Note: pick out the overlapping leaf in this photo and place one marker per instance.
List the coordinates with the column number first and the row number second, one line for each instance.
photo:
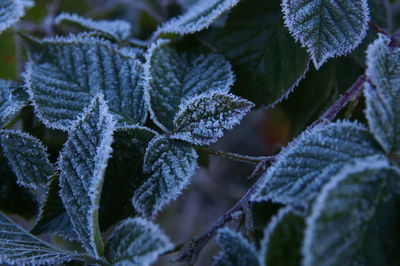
column 355, row 220
column 309, row 161
column 383, row 93
column 328, row 28
column 267, row 62
column 12, row 100
column 82, row 165
column 283, row 238
column 202, row 119
column 236, row 250
column 170, row 164
column 136, row 242
column 118, row 29
column 173, row 77
column 19, row 247
column 11, row 11
column 27, row 157
column 65, row 73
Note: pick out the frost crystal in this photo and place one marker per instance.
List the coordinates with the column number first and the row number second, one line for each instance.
column 136, row 242
column 82, row 165
column 28, row 158
column 118, row 29
column 328, row 28
column 170, row 164
column 383, row 97
column 310, row 161
column 202, row 119
column 172, row 77
column 19, row 247
column 65, row 73
column 356, row 208
column 12, row 100
column 11, row 11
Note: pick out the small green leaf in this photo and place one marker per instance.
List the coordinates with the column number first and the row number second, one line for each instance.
column 12, row 100
column 28, row 158
column 355, row 219
column 172, row 77
column 202, row 119
column 82, row 164
column 171, row 165
column 19, row 247
column 236, row 250
column 136, row 242
column 11, row 11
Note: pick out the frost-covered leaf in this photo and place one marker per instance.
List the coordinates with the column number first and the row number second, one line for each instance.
column 118, row 29
column 202, row 119
column 173, row 76
column 283, row 238
column 310, row 160
column 328, row 28
column 11, row 11
column 28, row 158
column 136, row 242
column 171, row 165
column 267, row 62
column 65, row 73
column 236, row 250
column 383, row 96
column 20, row 248
column 82, row 165
column 198, row 17
column 124, row 174
column 53, row 217
column 12, row 100
column 355, row 219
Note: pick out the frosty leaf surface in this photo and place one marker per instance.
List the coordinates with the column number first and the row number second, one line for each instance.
column 198, row 17
column 202, row 119
column 27, row 157
column 65, row 73
column 170, row 165
column 383, row 93
column 283, row 238
column 358, row 209
column 328, row 28
column 118, row 29
column 20, row 248
column 11, row 11
column 12, row 100
column 173, row 76
column 82, row 165
column 136, row 242
column 236, row 249
column 312, row 159
column 267, row 62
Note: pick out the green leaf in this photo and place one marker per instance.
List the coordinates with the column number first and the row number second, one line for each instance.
column 82, row 164
column 136, row 242
column 172, row 77
column 383, row 93
column 11, row 11
column 202, row 119
column 171, row 165
column 267, row 61
column 12, row 100
column 355, row 219
column 53, row 217
column 19, row 247
column 311, row 159
column 198, row 17
column 28, row 158
column 117, row 29
column 328, row 28
column 236, row 250
column 65, row 73
column 283, row 238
